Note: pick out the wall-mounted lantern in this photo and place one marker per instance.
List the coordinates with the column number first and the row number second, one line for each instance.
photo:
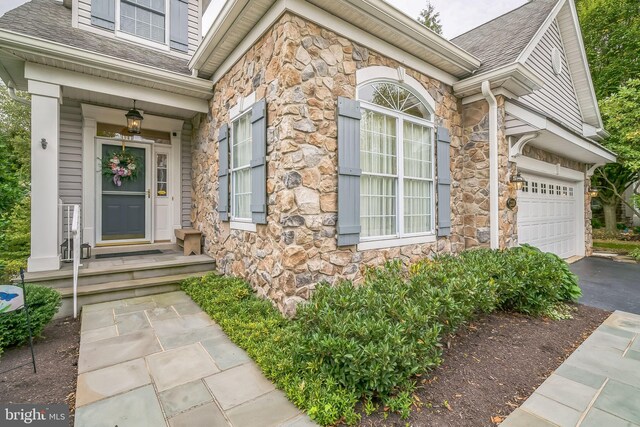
column 518, row 181
column 593, row 192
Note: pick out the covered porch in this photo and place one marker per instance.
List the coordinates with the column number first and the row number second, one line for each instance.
column 79, row 127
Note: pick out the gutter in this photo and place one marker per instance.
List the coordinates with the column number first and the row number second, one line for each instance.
column 12, row 95
column 493, row 163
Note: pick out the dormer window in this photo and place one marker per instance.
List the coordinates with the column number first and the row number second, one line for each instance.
column 143, row 18
column 159, row 23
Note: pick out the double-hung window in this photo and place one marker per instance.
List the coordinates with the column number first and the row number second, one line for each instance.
column 396, row 158
column 241, row 168
column 144, row 18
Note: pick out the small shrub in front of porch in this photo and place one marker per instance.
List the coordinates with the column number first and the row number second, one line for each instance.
column 353, row 342
column 43, row 305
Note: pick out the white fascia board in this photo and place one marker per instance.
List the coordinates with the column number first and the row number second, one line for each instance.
column 61, row 77
column 526, row 52
column 305, row 9
column 516, row 78
column 221, row 25
column 585, row 62
column 314, row 14
column 82, row 57
column 392, row 16
column 540, row 122
column 480, row 97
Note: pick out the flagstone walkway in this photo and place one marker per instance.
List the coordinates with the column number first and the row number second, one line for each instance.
column 597, row 386
column 161, row 361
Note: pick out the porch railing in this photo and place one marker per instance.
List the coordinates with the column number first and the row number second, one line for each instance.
column 67, row 245
column 75, row 232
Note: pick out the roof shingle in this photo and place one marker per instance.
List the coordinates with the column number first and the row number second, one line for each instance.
column 500, row 41
column 50, row 20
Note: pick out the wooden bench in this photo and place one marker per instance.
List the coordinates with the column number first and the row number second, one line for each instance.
column 189, row 240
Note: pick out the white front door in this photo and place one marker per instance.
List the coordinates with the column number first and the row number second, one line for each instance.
column 548, row 212
column 163, row 193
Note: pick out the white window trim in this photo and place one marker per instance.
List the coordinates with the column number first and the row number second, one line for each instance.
column 141, row 40
column 386, row 74
column 242, row 107
column 242, row 225
column 395, row 242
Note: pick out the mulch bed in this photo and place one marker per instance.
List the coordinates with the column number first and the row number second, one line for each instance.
column 57, row 364
column 491, row 367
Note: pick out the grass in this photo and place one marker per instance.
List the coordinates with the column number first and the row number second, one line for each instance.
column 619, row 246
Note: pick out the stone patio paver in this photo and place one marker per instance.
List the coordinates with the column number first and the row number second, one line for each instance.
column 160, row 361
column 598, row 385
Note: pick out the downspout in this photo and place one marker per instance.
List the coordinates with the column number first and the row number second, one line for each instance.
column 12, row 95
column 493, row 163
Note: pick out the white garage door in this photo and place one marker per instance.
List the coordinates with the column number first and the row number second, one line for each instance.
column 547, row 215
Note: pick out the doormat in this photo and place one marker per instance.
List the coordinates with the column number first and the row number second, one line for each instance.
column 136, row 253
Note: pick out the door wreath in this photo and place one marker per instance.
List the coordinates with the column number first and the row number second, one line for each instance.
column 121, row 166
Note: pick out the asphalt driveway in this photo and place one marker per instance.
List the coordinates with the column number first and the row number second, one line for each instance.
column 609, row 284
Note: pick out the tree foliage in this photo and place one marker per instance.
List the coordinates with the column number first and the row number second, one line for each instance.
column 611, row 34
column 15, row 165
column 621, row 113
column 430, row 18
column 15, row 141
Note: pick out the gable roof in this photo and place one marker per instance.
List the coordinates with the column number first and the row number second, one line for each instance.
column 501, row 41
column 51, row 21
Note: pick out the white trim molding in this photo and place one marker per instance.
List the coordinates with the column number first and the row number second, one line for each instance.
column 517, row 78
column 395, row 242
column 538, row 167
column 378, row 72
column 243, row 225
column 226, row 41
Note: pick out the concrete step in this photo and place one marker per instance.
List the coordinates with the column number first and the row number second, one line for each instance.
column 104, row 292
column 112, row 275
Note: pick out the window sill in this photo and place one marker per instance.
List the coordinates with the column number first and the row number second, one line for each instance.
column 395, row 242
column 242, row 225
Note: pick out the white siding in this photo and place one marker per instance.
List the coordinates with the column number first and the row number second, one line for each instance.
column 557, row 98
column 194, row 25
column 84, row 17
column 185, row 176
column 70, row 161
column 84, row 12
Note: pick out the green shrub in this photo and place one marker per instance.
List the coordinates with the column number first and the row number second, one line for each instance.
column 369, row 341
column 621, row 226
column 43, row 305
column 636, row 229
column 635, row 254
column 596, row 223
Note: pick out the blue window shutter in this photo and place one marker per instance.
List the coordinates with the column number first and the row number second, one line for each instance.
column 259, row 162
column 179, row 25
column 444, row 182
column 223, row 173
column 103, row 13
column 349, row 171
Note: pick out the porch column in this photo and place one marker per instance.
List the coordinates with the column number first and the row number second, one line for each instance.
column 45, row 124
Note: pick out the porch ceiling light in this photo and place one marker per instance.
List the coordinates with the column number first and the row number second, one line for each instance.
column 518, row 181
column 134, row 119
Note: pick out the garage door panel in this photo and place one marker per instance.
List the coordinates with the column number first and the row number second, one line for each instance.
column 547, row 215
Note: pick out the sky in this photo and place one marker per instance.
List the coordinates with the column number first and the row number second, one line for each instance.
column 459, row 16
column 456, row 16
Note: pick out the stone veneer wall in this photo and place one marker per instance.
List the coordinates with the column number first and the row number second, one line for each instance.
column 475, row 143
column 301, row 69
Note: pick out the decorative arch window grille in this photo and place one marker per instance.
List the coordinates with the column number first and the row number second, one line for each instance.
column 397, row 162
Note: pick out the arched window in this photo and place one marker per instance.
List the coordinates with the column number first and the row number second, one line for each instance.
column 396, row 158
